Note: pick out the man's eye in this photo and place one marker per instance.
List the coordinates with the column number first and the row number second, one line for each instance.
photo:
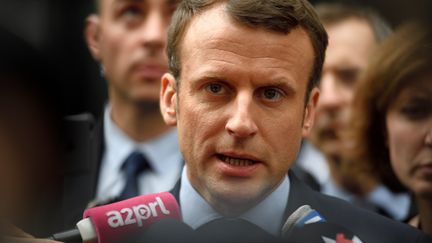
column 214, row 88
column 348, row 77
column 271, row 94
column 131, row 12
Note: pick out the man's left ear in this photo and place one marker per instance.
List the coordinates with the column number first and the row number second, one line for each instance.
column 168, row 99
column 92, row 35
column 309, row 114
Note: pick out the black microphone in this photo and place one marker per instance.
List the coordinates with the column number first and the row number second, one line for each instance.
column 68, row 236
column 233, row 230
column 167, row 230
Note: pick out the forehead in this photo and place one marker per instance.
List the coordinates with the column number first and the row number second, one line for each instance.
column 214, row 37
column 103, row 4
column 350, row 40
column 418, row 85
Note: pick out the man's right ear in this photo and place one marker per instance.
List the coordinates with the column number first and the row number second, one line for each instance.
column 168, row 99
column 92, row 35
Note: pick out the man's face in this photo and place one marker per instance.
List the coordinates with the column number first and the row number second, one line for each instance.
column 240, row 108
column 350, row 44
column 128, row 37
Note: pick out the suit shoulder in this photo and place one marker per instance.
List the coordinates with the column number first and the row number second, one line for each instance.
column 369, row 226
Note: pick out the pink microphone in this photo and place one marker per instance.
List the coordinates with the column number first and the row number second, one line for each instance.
column 109, row 223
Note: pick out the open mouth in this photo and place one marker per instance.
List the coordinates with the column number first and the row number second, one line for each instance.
column 236, row 161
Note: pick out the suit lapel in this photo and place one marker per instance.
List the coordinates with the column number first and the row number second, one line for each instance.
column 99, row 147
column 82, row 165
column 176, row 191
column 299, row 195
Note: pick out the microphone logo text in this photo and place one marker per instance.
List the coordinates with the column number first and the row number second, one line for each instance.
column 136, row 214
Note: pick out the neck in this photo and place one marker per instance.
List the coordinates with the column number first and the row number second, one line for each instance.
column 353, row 181
column 334, row 163
column 141, row 121
column 425, row 212
column 232, row 209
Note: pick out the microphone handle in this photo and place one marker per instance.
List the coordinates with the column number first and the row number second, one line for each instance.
column 68, row 236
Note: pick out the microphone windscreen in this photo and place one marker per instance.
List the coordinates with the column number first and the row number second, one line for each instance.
column 295, row 217
column 115, row 221
column 300, row 217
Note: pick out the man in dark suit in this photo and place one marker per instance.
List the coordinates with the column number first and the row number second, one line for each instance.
column 242, row 91
column 131, row 151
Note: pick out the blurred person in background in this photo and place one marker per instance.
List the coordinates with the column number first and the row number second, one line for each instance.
column 392, row 118
column 30, row 141
column 128, row 38
column 354, row 34
column 132, row 151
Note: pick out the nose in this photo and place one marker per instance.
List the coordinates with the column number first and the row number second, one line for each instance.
column 331, row 94
column 241, row 123
column 154, row 30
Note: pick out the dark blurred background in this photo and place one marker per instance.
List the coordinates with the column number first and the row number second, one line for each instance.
column 55, row 28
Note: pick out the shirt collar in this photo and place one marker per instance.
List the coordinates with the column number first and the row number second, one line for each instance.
column 158, row 151
column 396, row 204
column 268, row 214
column 330, row 188
column 118, row 145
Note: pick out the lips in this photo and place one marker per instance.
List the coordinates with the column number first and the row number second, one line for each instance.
column 425, row 168
column 237, row 165
column 150, row 71
column 236, row 161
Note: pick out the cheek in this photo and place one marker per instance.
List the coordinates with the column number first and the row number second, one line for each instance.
column 195, row 126
column 402, row 143
column 284, row 137
column 115, row 50
column 399, row 164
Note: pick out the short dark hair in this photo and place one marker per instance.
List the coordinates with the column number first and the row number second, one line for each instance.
column 96, row 4
column 280, row 16
column 333, row 13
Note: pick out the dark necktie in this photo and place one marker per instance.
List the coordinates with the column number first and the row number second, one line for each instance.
column 134, row 165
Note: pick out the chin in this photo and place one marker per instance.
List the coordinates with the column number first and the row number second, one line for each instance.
column 147, row 97
column 147, row 103
column 238, row 196
column 424, row 191
column 331, row 148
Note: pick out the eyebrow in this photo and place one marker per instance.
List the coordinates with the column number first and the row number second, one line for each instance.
column 172, row 2
column 121, row 1
column 285, row 85
column 168, row 2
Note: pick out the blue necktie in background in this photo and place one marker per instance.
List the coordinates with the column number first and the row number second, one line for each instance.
column 134, row 165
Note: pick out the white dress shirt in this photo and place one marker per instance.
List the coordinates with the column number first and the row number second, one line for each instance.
column 397, row 205
column 268, row 214
column 162, row 153
column 313, row 161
